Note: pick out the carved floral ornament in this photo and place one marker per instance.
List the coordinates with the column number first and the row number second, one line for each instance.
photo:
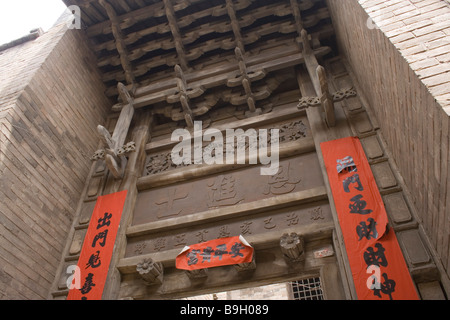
column 340, row 95
column 162, row 162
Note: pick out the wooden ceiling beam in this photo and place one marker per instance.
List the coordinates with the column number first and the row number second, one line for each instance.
column 170, row 14
column 215, row 77
column 120, row 44
column 235, row 26
column 316, row 72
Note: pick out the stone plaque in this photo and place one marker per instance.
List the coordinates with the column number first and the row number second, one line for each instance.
column 281, row 219
column 227, row 189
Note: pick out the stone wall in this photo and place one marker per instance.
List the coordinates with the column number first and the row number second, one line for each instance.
column 52, row 100
column 400, row 59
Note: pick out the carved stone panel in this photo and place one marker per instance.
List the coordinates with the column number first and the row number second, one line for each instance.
column 279, row 220
column 227, row 189
column 161, row 161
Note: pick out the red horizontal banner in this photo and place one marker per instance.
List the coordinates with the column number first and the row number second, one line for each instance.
column 376, row 261
column 98, row 246
column 215, row 253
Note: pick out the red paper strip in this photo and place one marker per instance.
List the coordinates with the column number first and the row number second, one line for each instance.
column 215, row 253
column 376, row 260
column 98, row 247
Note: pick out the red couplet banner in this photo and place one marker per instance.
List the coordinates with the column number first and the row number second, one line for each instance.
column 98, row 246
column 376, row 261
column 215, row 253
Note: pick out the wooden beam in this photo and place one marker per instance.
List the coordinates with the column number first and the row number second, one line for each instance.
column 170, row 14
column 216, row 77
column 120, row 44
column 235, row 25
column 319, row 80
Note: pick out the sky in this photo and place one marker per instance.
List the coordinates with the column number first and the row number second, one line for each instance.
column 19, row 17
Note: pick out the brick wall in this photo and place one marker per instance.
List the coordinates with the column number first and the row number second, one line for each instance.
column 52, row 101
column 402, row 65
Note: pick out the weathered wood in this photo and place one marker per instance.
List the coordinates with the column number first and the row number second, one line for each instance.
column 326, row 98
column 116, row 162
column 152, row 94
column 170, row 14
column 121, row 47
column 235, row 25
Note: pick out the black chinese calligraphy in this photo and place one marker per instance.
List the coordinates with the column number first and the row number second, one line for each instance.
column 359, row 206
column 367, row 230
column 236, row 250
column 100, row 236
column 105, row 221
column 88, row 284
column 94, row 260
column 346, row 165
column 377, row 258
column 351, row 180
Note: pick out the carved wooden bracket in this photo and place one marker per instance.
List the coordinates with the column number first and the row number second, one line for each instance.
column 340, row 95
column 292, row 246
column 114, row 146
column 245, row 79
column 184, row 95
column 151, row 272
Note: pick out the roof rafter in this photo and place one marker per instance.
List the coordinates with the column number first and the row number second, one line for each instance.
column 120, row 44
column 235, row 25
column 170, row 13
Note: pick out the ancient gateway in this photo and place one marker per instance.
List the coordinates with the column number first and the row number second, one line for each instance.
column 185, row 74
column 236, row 144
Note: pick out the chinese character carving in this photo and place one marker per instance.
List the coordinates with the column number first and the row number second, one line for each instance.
column 166, row 205
column 292, row 219
column 180, row 240
column 139, row 247
column 223, row 232
column 201, row 235
column 316, row 213
column 245, row 228
column 159, row 244
column 282, row 182
column 223, row 192
column 268, row 224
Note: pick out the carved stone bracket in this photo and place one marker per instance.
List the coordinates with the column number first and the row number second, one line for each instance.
column 340, row 95
column 151, row 272
column 292, row 246
column 197, row 274
column 246, row 266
